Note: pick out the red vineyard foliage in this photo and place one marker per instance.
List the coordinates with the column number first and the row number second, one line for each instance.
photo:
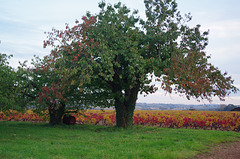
column 208, row 120
column 27, row 116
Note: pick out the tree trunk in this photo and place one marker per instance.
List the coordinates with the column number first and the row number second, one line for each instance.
column 125, row 107
column 56, row 114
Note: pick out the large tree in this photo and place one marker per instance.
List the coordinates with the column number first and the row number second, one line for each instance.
column 115, row 55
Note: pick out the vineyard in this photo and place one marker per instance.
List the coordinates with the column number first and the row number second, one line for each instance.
column 208, row 120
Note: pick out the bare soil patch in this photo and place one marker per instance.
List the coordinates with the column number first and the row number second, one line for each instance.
column 222, row 151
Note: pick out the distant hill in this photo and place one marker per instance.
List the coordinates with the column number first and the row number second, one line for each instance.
column 162, row 106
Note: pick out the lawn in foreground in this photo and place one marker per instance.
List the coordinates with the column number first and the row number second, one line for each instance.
column 39, row 140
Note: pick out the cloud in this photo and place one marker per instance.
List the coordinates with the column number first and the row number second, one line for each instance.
column 223, row 29
column 225, row 56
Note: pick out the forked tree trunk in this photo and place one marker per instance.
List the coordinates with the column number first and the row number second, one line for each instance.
column 125, row 108
column 56, row 114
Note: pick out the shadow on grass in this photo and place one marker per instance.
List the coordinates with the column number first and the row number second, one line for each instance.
column 93, row 128
column 84, row 127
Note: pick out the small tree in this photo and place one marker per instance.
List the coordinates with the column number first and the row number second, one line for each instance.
column 117, row 55
column 11, row 90
column 7, row 83
column 48, row 88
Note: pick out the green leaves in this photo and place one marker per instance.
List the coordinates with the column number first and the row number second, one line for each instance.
column 102, row 5
column 6, row 83
column 10, row 86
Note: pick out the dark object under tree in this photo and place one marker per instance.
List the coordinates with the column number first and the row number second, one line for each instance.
column 69, row 119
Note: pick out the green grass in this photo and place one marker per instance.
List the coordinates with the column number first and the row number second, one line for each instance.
column 39, row 140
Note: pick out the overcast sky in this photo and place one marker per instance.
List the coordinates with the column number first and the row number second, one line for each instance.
column 23, row 23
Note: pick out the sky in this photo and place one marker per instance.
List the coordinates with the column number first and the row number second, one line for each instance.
column 23, row 23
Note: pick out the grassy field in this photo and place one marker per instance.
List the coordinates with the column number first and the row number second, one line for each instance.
column 39, row 140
